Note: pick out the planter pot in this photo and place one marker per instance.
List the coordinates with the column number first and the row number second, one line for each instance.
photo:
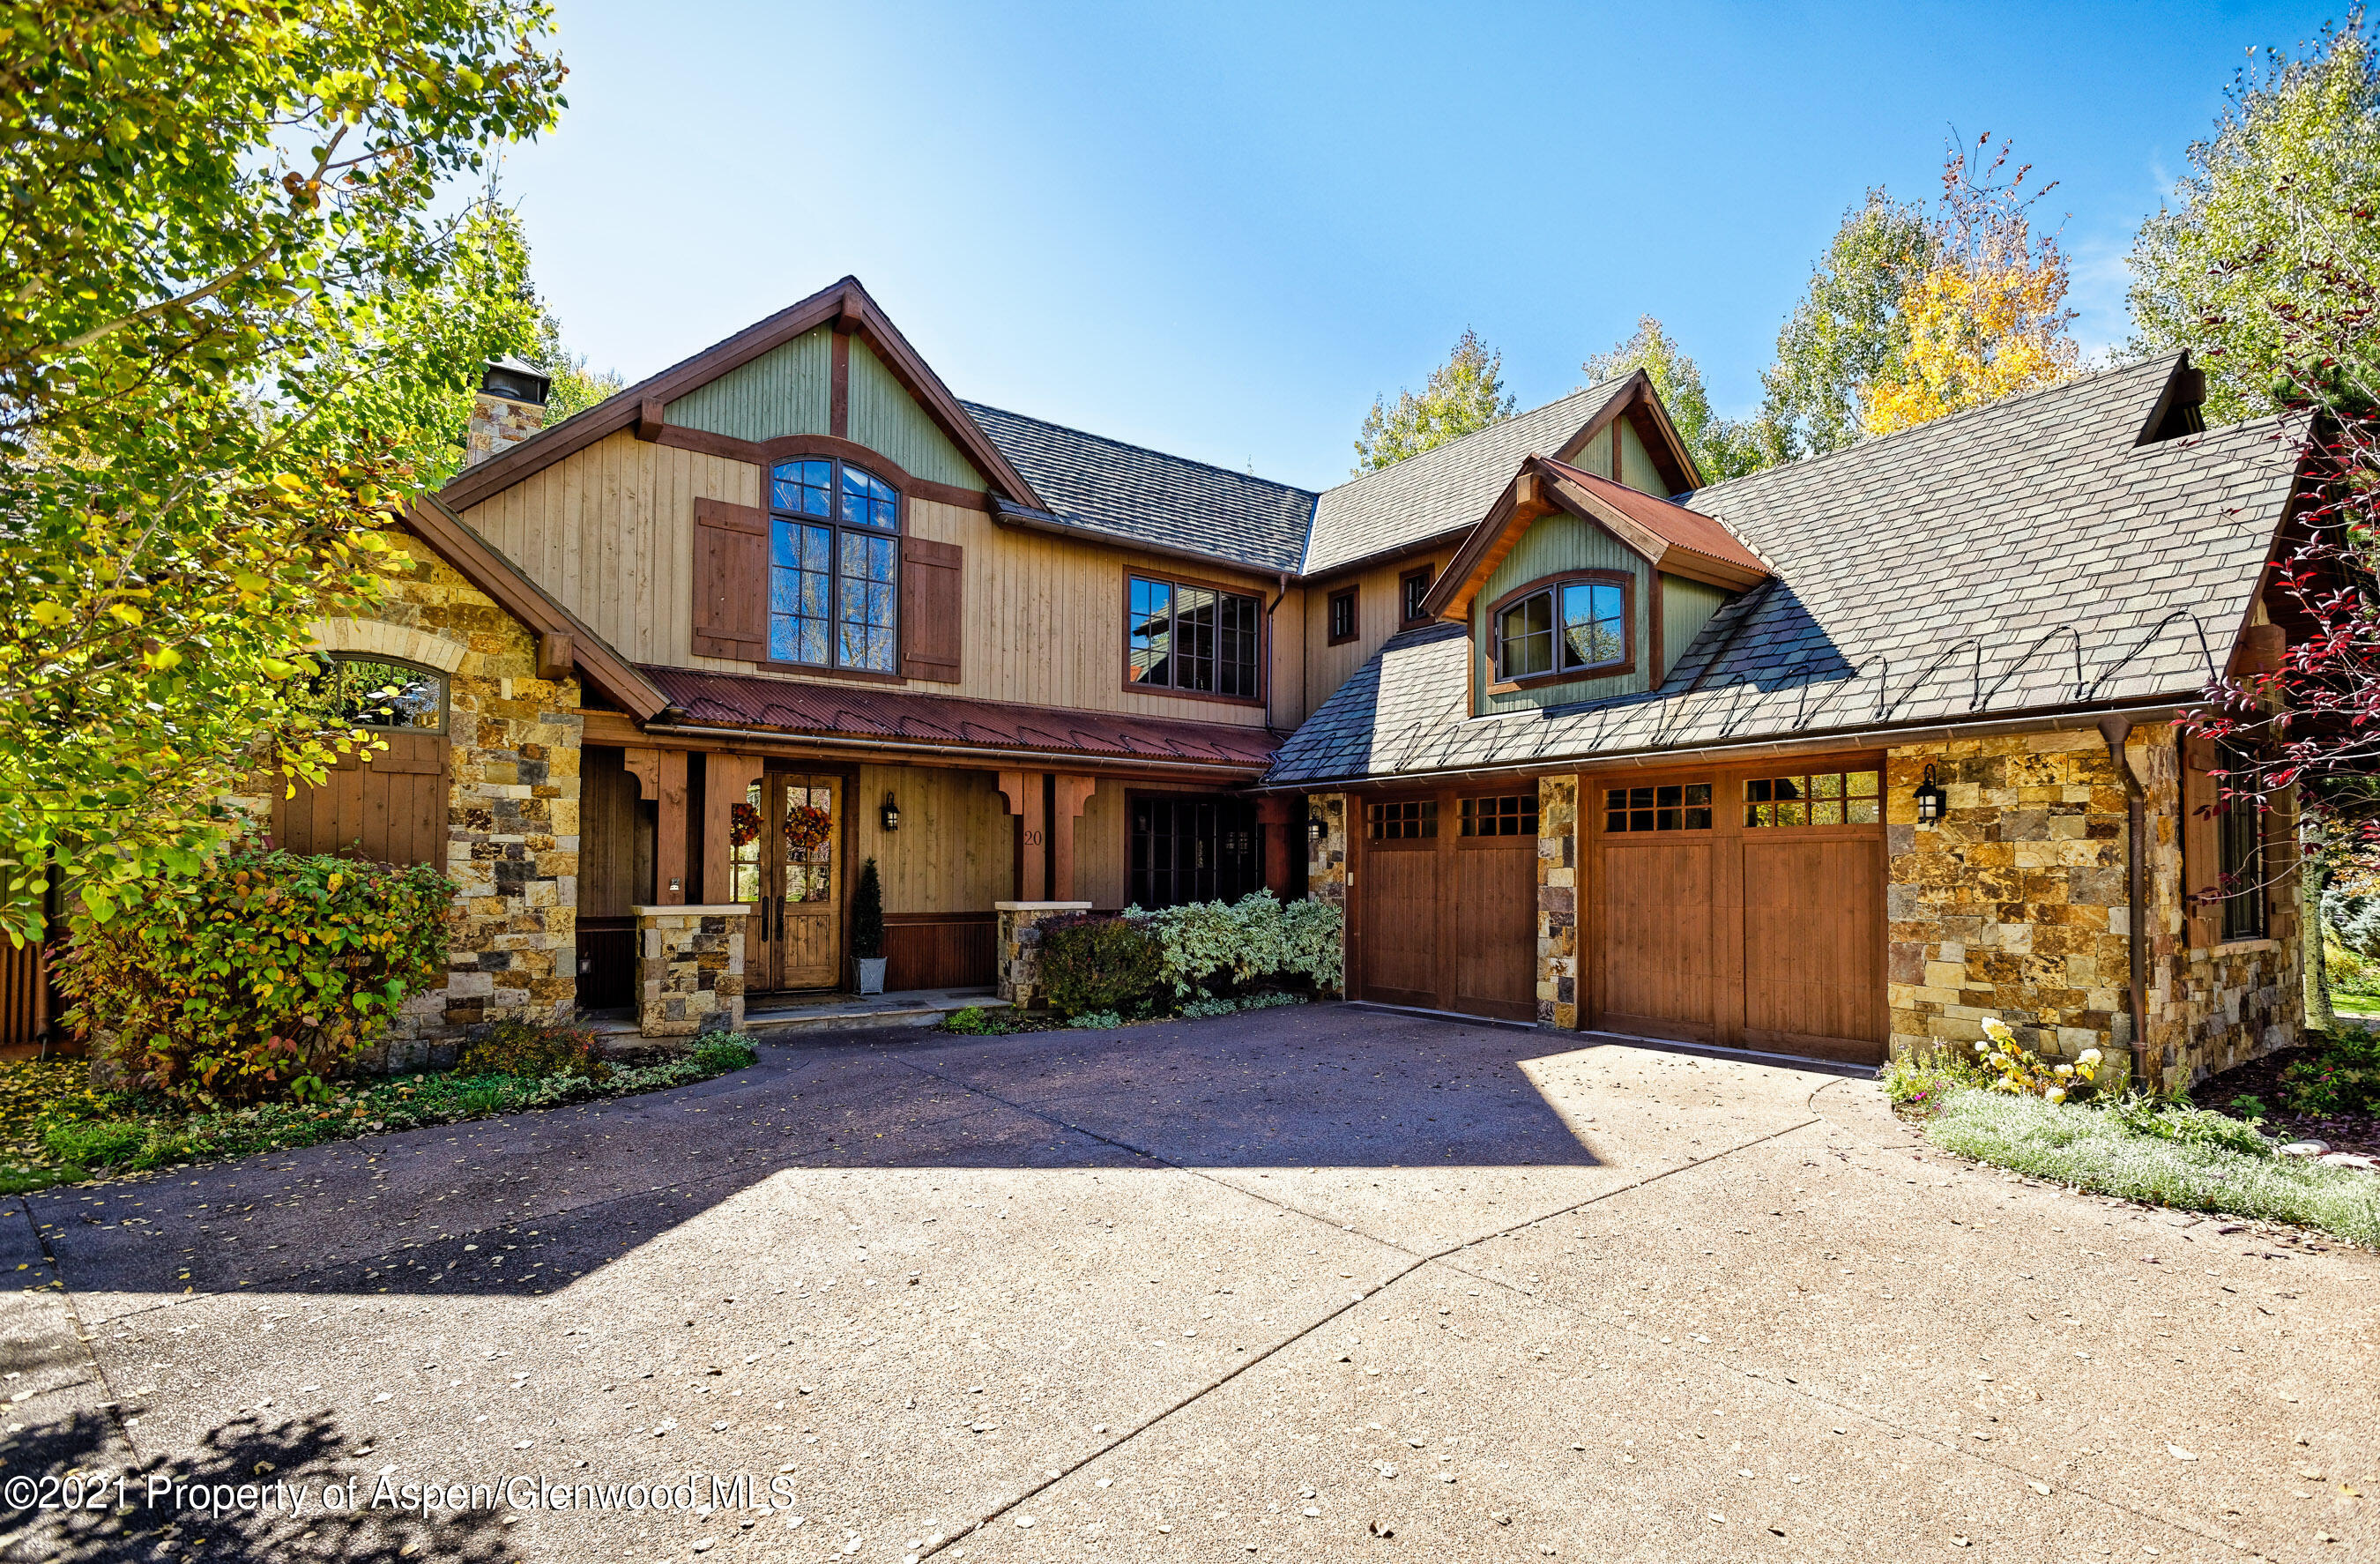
column 868, row 973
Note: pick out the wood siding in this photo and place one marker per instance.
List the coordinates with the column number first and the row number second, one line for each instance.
column 1686, row 607
column 1555, row 543
column 955, row 850
column 939, row 950
column 788, row 390
column 885, row 418
column 1326, row 667
column 609, row 532
column 1636, row 467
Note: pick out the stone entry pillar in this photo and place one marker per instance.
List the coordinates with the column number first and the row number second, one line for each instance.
column 690, row 969
column 1020, row 949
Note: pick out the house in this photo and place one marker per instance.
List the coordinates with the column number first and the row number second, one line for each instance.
column 1576, row 740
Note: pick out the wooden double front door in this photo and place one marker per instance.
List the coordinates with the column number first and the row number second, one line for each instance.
column 1738, row 908
column 1445, row 903
column 785, row 841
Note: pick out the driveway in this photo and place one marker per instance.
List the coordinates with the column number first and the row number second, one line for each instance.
column 1319, row 1283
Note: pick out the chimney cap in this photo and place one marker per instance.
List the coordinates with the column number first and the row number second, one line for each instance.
column 517, row 382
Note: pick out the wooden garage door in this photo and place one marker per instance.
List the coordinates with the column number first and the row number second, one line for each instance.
column 1446, row 904
column 1741, row 908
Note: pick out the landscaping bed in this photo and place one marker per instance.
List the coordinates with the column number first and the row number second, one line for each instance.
column 2263, row 1088
column 57, row 1128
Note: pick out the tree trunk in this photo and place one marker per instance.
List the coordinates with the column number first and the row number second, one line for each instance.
column 2313, row 946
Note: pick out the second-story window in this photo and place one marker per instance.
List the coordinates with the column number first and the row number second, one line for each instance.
column 1567, row 628
column 1199, row 639
column 834, row 551
column 1342, row 615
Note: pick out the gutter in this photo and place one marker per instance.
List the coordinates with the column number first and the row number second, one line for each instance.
column 1749, row 749
column 994, row 758
column 2116, row 730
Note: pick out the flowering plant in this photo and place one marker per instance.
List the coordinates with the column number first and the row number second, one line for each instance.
column 743, row 825
column 2018, row 1069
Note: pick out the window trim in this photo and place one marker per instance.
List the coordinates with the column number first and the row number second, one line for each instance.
column 900, row 532
column 1625, row 580
column 1168, row 692
column 2254, row 902
column 1428, row 571
column 1353, row 596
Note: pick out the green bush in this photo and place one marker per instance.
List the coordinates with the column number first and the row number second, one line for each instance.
column 532, row 1049
column 1206, row 945
column 976, row 1022
column 2342, row 1077
column 2185, row 1125
column 1094, row 1020
column 257, row 976
column 1094, row 962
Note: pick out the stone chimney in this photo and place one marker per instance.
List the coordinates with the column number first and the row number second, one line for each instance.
column 509, row 408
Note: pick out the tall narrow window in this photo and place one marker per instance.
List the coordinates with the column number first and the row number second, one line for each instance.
column 1342, row 615
column 2239, row 835
column 834, row 554
column 1413, row 591
column 1199, row 639
column 1564, row 628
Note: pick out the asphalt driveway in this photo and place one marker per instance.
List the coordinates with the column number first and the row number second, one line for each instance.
column 1315, row 1284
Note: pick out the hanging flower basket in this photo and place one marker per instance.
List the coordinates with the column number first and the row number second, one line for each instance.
column 807, row 828
column 743, row 825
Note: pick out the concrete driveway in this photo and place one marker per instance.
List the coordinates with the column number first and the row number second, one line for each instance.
column 1312, row 1284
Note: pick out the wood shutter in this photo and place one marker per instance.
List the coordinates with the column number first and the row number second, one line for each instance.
column 2202, row 847
column 388, row 807
column 933, row 609
column 731, row 580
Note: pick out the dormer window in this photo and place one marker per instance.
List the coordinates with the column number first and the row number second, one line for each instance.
column 1572, row 628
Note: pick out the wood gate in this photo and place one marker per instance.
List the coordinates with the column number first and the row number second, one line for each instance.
column 1743, row 908
column 1445, row 903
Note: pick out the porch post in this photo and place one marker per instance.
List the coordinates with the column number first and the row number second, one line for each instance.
column 1072, row 794
column 1025, row 792
column 661, row 776
column 1275, row 813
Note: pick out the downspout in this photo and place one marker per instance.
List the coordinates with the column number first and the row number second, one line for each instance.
column 2136, row 934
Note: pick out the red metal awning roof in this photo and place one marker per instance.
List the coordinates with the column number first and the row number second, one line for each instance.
column 859, row 713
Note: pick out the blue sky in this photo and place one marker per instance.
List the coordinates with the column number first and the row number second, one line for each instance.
column 1221, row 230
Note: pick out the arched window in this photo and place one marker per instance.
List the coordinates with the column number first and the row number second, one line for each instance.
column 377, row 692
column 834, row 558
column 1576, row 628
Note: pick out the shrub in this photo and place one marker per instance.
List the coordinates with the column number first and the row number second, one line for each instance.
column 2015, row 1068
column 976, row 1022
column 1093, row 962
column 532, row 1049
column 2246, row 1105
column 867, row 915
column 2184, row 1125
column 1215, row 944
column 257, row 975
column 1094, row 1019
column 2343, row 1077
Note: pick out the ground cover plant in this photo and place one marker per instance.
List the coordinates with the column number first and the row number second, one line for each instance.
column 56, row 1127
column 2133, row 1146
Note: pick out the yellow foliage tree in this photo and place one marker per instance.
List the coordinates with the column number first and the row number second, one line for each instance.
column 1988, row 318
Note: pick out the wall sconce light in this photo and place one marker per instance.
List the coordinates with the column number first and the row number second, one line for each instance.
column 892, row 814
column 1316, row 829
column 1930, row 799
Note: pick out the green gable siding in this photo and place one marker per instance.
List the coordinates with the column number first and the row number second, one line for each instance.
column 1686, row 607
column 790, row 390
column 786, row 390
column 1553, row 544
column 1636, row 468
column 885, row 418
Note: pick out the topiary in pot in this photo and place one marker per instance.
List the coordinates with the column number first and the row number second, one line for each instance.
column 868, row 930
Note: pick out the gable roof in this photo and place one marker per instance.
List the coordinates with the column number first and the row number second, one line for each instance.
column 1664, row 534
column 1131, row 495
column 1447, row 489
column 844, row 304
column 2025, row 558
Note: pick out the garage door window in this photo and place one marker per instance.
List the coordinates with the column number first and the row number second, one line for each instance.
column 1681, row 807
column 1515, row 815
column 1408, row 819
column 1819, row 798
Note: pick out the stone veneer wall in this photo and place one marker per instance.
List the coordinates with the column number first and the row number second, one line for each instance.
column 690, row 969
column 1326, row 861
column 2014, row 907
column 512, row 804
column 1017, row 961
column 1558, row 903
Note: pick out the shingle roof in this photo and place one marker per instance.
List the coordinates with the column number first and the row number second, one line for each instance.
column 1444, row 489
column 1140, row 495
column 2021, row 557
